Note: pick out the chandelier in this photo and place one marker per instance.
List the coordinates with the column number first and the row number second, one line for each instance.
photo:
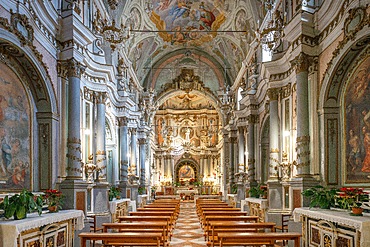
column 115, row 35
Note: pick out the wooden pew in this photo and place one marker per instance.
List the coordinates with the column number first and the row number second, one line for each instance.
column 244, row 219
column 146, row 219
column 123, row 239
column 220, row 213
column 156, row 214
column 155, row 209
column 158, row 226
column 216, row 227
column 257, row 238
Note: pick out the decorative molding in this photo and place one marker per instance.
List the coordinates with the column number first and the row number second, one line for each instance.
column 22, row 20
column 22, row 28
column 350, row 31
column 286, row 91
column 281, row 76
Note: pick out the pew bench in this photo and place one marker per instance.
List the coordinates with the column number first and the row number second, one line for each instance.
column 160, row 226
column 218, row 226
column 123, row 239
column 257, row 238
column 240, row 219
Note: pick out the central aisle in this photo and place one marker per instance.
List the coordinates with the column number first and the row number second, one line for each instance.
column 188, row 232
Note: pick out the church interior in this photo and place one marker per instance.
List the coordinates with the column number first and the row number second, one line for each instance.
column 249, row 108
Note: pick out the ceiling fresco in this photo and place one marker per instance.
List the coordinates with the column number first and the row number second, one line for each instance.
column 187, row 20
column 211, row 37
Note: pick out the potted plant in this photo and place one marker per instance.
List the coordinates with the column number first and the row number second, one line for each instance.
column 352, row 198
column 114, row 193
column 141, row 190
column 20, row 204
column 54, row 200
column 320, row 196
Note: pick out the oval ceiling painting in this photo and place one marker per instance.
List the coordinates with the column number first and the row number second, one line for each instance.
column 187, row 21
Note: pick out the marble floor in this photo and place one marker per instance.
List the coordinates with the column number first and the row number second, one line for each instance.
column 188, row 232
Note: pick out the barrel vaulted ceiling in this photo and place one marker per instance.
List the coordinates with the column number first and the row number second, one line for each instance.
column 210, row 37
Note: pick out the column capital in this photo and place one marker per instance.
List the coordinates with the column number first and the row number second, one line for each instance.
column 123, row 121
column 100, row 97
column 301, row 62
column 142, row 141
column 133, row 131
column 71, row 68
column 252, row 119
column 273, row 93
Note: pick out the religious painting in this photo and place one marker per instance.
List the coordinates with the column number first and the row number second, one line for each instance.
column 15, row 164
column 357, row 120
column 186, row 172
column 187, row 21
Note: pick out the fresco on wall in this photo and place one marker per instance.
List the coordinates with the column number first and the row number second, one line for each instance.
column 186, row 172
column 15, row 165
column 357, row 119
column 187, row 20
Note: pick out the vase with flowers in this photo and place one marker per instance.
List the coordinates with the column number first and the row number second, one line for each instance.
column 54, row 200
column 352, row 198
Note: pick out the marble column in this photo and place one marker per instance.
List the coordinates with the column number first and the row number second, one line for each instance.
column 301, row 64
column 142, row 158
column 226, row 162
column 252, row 120
column 241, row 150
column 74, row 187
column 101, row 186
column 101, row 159
column 273, row 94
column 274, row 187
column 133, row 162
column 233, row 158
column 123, row 148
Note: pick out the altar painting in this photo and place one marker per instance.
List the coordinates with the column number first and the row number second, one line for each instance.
column 357, row 122
column 186, row 172
column 15, row 164
column 187, row 20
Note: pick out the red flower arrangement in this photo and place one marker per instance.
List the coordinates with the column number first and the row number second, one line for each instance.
column 351, row 197
column 54, row 198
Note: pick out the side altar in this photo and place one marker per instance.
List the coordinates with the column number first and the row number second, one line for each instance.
column 324, row 227
column 48, row 229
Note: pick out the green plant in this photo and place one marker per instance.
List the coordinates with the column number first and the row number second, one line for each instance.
column 114, row 192
column 258, row 191
column 234, row 189
column 141, row 190
column 320, row 196
column 20, row 204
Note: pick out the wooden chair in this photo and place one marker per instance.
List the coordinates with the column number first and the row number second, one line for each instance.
column 93, row 226
column 284, row 223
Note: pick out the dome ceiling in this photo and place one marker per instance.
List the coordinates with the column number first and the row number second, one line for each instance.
column 210, row 37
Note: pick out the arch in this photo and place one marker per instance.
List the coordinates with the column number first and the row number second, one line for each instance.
column 193, row 167
column 332, row 106
column 28, row 66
